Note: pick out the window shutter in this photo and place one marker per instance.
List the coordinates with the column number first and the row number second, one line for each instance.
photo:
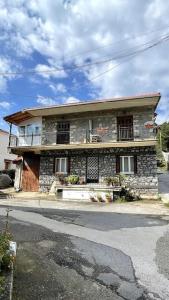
column 117, row 164
column 135, row 164
column 54, row 165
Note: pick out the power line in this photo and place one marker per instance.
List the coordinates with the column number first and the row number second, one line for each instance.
column 71, row 67
column 129, row 57
column 125, row 57
column 116, row 42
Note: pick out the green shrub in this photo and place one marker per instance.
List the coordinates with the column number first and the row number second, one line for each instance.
column 5, row 258
column 73, row 179
column 127, row 195
column 121, row 200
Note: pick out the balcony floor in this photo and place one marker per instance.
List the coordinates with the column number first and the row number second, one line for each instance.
column 39, row 148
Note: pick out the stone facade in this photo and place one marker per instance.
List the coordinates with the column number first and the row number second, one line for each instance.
column 79, row 125
column 107, row 166
column 46, row 174
column 145, row 181
column 78, row 165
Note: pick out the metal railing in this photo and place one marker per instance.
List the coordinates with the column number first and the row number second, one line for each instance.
column 125, row 133
column 81, row 136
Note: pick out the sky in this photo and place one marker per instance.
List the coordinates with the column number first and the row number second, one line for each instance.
column 64, row 51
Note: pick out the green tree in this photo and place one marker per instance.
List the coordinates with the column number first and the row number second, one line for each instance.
column 163, row 136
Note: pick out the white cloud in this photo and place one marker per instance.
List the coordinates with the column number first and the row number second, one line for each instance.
column 5, row 104
column 50, row 71
column 46, row 101
column 58, row 88
column 6, row 65
column 61, row 30
column 163, row 114
column 71, row 99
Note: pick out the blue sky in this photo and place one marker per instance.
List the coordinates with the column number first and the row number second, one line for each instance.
column 51, row 38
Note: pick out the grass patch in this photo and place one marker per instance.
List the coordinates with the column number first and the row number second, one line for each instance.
column 167, row 205
column 121, row 200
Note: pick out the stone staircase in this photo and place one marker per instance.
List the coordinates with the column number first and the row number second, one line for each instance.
column 6, row 196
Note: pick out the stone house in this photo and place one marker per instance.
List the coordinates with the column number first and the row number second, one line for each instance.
column 93, row 139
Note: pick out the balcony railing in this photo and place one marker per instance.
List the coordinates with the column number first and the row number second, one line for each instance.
column 125, row 133
column 81, row 136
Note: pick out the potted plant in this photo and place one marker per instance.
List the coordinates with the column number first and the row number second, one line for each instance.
column 100, row 198
column 61, row 177
column 108, row 180
column 115, row 181
column 73, row 179
column 122, row 178
column 82, row 180
column 92, row 198
column 109, row 197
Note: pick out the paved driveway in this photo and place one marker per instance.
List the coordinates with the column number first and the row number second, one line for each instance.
column 163, row 180
column 164, row 183
column 76, row 255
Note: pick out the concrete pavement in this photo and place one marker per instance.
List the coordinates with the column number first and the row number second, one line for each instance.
column 163, row 187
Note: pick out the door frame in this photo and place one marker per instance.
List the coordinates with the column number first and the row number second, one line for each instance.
column 123, row 118
column 65, row 133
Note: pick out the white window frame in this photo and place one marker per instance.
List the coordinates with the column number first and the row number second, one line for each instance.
column 129, row 164
column 58, row 164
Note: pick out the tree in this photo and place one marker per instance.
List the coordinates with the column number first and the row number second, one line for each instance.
column 163, row 136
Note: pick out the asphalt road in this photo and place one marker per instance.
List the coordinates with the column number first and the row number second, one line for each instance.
column 76, row 255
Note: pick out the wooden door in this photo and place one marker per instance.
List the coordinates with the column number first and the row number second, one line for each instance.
column 30, row 177
column 125, row 128
column 63, row 133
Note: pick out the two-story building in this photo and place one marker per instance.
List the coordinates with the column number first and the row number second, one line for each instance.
column 6, row 159
column 93, row 139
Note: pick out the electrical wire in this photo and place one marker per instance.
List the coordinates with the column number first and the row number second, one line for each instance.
column 70, row 68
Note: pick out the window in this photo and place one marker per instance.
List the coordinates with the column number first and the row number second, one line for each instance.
column 37, row 130
column 22, row 130
column 29, row 129
column 61, row 165
column 7, row 164
column 127, row 164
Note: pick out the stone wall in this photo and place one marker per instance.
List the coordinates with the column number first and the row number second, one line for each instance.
column 144, row 181
column 107, row 166
column 46, row 176
column 78, row 165
column 79, row 125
